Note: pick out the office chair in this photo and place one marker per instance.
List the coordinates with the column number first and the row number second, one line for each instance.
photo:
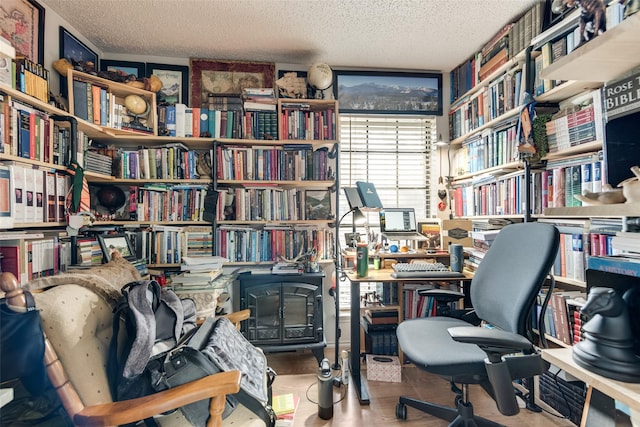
column 503, row 293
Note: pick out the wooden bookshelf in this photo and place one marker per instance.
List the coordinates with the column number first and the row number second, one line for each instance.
column 602, row 59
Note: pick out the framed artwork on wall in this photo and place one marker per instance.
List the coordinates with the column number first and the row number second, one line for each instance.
column 175, row 82
column 318, row 204
column 22, row 23
column 226, row 78
column 389, row 92
column 75, row 51
column 125, row 67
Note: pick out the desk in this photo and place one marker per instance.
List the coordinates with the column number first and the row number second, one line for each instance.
column 357, row 381
column 627, row 393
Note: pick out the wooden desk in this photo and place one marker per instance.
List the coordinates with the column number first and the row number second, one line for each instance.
column 358, row 381
column 627, row 393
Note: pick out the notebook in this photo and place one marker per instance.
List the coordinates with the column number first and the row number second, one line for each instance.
column 399, row 224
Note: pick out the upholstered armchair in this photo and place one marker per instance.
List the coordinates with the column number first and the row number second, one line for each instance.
column 76, row 313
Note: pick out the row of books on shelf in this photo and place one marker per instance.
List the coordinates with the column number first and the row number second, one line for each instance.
column 510, row 40
column 290, row 162
column 165, row 202
column 31, row 255
column 172, row 161
column 96, row 104
column 416, row 305
column 578, row 121
column 566, row 182
column 161, row 244
column 563, row 184
column 33, row 134
column 228, row 120
column 30, row 78
column 37, row 194
column 275, row 204
column 500, row 96
column 591, row 244
column 271, row 243
column 300, row 121
column 491, row 148
column 562, row 318
column 504, row 194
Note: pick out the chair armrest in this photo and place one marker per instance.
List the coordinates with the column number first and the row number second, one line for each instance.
column 494, row 342
column 238, row 316
column 442, row 294
column 215, row 386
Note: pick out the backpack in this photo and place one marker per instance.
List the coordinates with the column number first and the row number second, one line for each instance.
column 155, row 319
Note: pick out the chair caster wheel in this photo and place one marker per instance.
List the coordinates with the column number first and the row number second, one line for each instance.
column 401, row 411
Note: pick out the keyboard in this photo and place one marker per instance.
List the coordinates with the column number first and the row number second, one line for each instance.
column 423, row 270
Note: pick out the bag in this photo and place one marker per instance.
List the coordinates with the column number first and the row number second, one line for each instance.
column 186, row 363
column 155, row 319
column 22, row 347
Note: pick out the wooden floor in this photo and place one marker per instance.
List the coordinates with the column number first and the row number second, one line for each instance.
column 297, row 374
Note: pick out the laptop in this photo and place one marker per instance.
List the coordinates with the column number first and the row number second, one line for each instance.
column 399, row 224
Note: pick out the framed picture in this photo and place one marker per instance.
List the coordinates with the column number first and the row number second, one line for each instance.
column 126, row 67
column 389, row 92
column 318, row 204
column 175, row 82
column 22, row 24
column 111, row 243
column 75, row 51
column 226, row 77
column 432, row 231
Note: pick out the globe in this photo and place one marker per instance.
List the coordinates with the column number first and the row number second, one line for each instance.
column 135, row 104
column 111, row 197
column 320, row 76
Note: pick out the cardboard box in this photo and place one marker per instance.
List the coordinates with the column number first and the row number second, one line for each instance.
column 383, row 368
column 456, row 231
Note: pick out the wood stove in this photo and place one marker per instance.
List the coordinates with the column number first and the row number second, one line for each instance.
column 286, row 311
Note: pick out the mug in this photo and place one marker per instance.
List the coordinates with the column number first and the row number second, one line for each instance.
column 456, row 257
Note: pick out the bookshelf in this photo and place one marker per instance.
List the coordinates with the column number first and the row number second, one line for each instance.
column 110, row 105
column 277, row 198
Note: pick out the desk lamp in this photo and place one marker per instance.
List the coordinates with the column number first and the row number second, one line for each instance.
column 357, row 205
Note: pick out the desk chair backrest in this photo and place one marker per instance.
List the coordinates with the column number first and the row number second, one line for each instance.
column 507, row 281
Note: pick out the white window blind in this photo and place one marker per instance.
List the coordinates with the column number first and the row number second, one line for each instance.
column 394, row 153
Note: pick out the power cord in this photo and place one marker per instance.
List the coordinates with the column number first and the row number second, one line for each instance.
column 343, row 392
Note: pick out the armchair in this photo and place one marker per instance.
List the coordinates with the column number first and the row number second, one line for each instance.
column 76, row 313
column 503, row 293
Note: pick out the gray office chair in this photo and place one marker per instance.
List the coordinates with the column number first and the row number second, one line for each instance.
column 503, row 293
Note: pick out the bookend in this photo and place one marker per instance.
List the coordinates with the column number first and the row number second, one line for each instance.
column 608, row 345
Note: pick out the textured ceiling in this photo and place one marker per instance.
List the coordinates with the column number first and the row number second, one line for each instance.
column 432, row 35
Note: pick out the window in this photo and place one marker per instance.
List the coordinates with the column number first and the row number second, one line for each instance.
column 392, row 152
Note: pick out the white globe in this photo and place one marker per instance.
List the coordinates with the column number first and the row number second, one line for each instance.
column 320, row 76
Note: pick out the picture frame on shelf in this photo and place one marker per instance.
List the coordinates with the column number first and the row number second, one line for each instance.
column 432, row 230
column 137, row 69
column 109, row 243
column 291, row 88
column 389, row 92
column 318, row 204
column 175, row 82
column 25, row 28
column 72, row 49
column 226, row 78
